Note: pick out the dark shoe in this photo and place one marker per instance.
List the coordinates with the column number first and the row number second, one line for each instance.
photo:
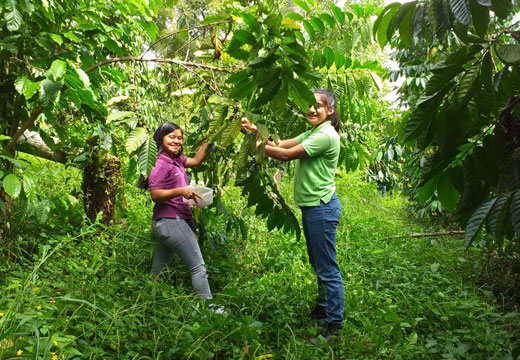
column 331, row 335
column 318, row 312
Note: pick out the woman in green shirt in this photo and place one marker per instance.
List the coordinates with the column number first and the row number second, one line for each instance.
column 316, row 152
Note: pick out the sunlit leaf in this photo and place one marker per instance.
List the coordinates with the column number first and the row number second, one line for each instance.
column 230, row 132
column 12, row 185
column 12, row 15
column 338, row 14
column 460, row 10
column 136, row 138
column 57, row 70
column 147, row 156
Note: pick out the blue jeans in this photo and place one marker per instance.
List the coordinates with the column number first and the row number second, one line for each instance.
column 319, row 226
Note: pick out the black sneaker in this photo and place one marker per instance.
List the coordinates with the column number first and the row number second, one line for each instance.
column 331, row 335
column 318, row 312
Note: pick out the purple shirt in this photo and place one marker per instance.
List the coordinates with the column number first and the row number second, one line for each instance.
column 169, row 173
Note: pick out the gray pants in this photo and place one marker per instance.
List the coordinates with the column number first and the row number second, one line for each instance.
column 174, row 236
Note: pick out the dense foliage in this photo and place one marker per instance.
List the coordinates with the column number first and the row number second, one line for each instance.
column 89, row 294
column 86, row 82
column 465, row 58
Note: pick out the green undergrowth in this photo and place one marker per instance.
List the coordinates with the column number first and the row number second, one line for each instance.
column 79, row 291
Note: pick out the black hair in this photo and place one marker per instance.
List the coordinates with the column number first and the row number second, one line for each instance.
column 330, row 99
column 163, row 130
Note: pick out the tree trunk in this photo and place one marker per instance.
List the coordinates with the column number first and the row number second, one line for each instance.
column 31, row 143
column 101, row 178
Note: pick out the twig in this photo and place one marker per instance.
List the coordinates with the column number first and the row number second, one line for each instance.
column 160, row 60
column 181, row 30
column 436, row 234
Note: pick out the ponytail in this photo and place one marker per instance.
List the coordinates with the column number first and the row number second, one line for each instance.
column 331, row 104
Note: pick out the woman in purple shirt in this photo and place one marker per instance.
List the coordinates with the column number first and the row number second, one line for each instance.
column 172, row 224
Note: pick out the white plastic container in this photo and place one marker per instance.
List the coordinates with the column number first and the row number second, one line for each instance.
column 205, row 192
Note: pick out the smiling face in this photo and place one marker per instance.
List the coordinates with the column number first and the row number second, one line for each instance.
column 172, row 143
column 316, row 116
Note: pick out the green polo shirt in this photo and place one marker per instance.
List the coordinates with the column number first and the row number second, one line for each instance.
column 314, row 176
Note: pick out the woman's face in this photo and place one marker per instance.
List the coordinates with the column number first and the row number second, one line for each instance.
column 172, row 142
column 316, row 116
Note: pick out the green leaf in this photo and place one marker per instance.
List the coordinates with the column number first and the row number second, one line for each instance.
column 272, row 220
column 460, row 10
column 230, row 132
column 384, row 23
column 329, row 56
column 279, row 102
column 56, row 38
column 302, row 5
column 12, row 16
column 148, row 26
column 426, row 191
column 338, row 14
column 49, row 92
column 243, row 89
column 405, row 29
column 515, row 211
column 448, row 194
column 119, row 115
column 508, row 53
column 327, row 19
column 251, row 21
column 12, row 185
column 26, row 87
column 418, row 123
column 318, row 24
column 309, row 29
column 441, row 80
column 466, row 85
column 476, row 220
column 214, row 18
column 502, row 8
column 262, row 62
column 269, row 91
column 147, row 156
column 136, row 138
column 247, row 147
column 42, row 211
column 113, row 47
column 301, row 95
column 57, row 70
column 244, row 36
column 237, row 77
column 295, row 16
column 84, row 77
column 480, row 18
column 497, row 216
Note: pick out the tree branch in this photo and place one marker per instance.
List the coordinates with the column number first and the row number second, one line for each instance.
column 182, row 30
column 436, row 234
column 11, row 145
column 31, row 143
column 160, row 60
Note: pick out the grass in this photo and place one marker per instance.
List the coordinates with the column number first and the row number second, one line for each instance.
column 79, row 291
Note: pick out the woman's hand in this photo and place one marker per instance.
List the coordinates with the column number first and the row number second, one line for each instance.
column 246, row 125
column 189, row 193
